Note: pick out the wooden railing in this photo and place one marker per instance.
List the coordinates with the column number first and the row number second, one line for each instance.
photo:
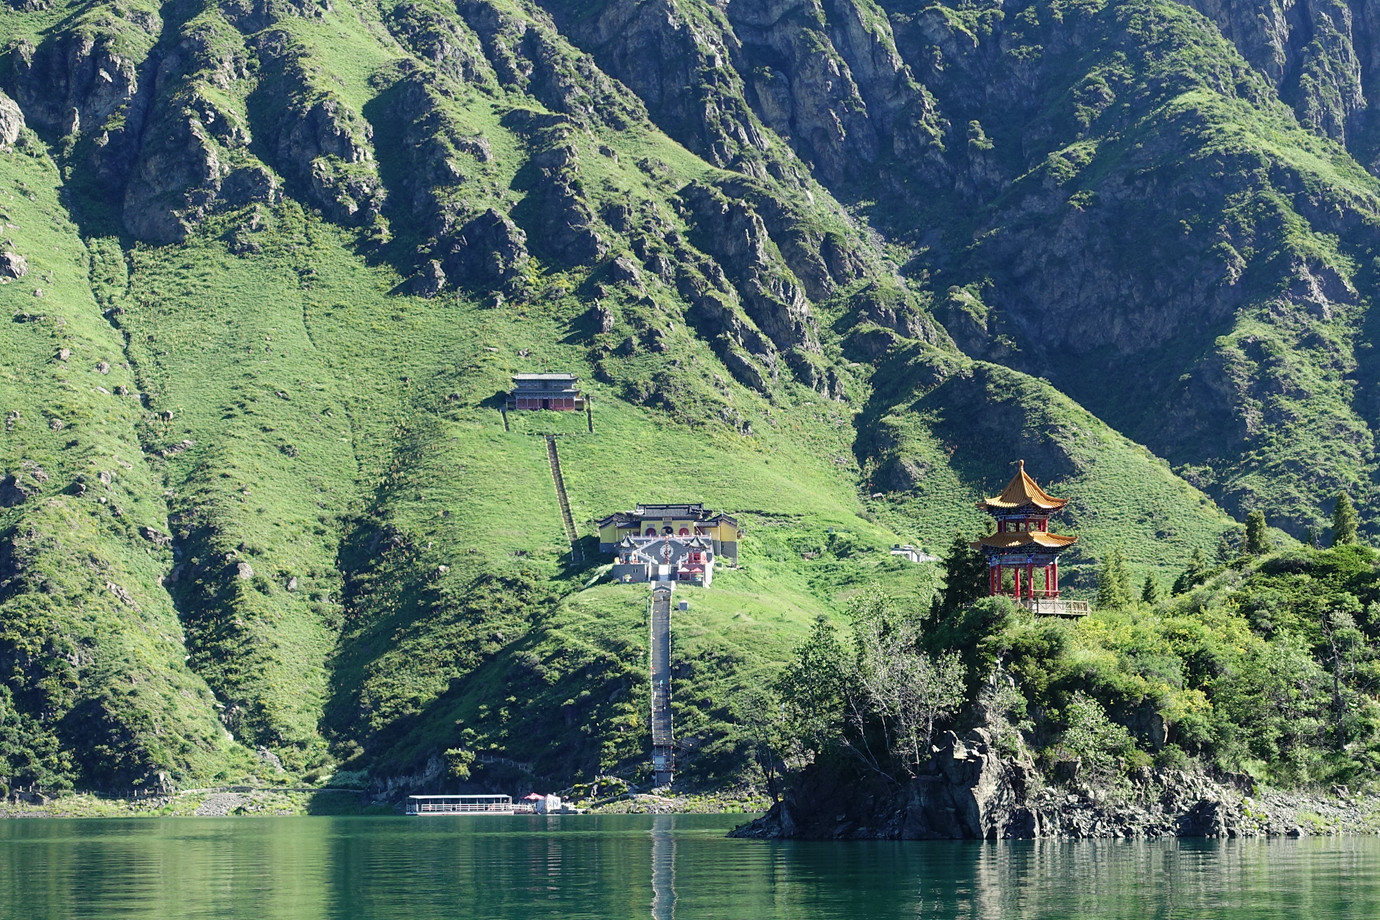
column 1055, row 607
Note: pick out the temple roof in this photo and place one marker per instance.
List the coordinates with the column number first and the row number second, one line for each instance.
column 656, row 514
column 1020, row 492
column 1032, row 539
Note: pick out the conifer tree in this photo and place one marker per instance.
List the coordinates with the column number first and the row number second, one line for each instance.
column 1113, row 581
column 1150, row 591
column 1257, row 534
column 965, row 574
column 1343, row 521
column 1194, row 575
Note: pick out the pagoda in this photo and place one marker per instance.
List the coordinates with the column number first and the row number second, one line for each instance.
column 1022, row 543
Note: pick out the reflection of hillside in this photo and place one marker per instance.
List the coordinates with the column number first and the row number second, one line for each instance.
column 663, row 867
column 1046, row 878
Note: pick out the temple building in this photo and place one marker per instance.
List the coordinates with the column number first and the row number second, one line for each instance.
column 546, row 391
column 664, row 558
column 678, row 521
column 1023, row 546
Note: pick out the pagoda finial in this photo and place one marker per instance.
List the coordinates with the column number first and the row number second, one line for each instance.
column 1022, row 463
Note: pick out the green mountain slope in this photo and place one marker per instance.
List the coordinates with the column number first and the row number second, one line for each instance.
column 263, row 512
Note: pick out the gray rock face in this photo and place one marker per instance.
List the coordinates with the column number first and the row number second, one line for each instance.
column 1321, row 56
column 76, row 81
column 317, row 142
column 736, row 236
column 490, row 249
column 971, row 793
column 13, row 265
column 677, row 64
column 528, row 55
column 177, row 177
column 11, row 121
column 555, row 212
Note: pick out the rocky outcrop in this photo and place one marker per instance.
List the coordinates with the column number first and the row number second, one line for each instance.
column 733, row 233
column 185, row 158
column 1321, row 56
column 556, row 213
column 11, row 121
column 677, row 62
column 177, row 177
column 444, row 42
column 488, row 250
column 314, row 138
column 76, row 80
column 529, row 55
column 970, row 792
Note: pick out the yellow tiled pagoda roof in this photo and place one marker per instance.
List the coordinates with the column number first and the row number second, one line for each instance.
column 1020, row 492
column 1027, row 538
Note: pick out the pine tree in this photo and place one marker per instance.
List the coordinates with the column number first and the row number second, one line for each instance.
column 1150, row 591
column 1257, row 534
column 1343, row 521
column 1113, row 581
column 1194, row 575
column 965, row 574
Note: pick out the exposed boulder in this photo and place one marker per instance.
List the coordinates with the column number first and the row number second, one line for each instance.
column 11, row 121
column 488, row 250
column 12, row 491
column 13, row 265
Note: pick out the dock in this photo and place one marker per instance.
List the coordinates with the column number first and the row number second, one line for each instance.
column 428, row 805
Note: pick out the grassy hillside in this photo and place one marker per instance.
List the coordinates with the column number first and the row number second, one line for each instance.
column 259, row 509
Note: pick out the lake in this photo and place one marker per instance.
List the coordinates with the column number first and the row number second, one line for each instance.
column 614, row 867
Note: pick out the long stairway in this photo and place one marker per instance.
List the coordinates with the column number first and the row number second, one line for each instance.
column 576, row 554
column 663, row 743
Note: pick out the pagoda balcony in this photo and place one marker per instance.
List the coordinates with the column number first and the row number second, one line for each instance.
column 1054, row 607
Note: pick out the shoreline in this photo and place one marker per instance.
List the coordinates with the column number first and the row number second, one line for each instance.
column 234, row 802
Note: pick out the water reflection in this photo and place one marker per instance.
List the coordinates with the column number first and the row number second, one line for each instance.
column 663, row 867
column 602, row 867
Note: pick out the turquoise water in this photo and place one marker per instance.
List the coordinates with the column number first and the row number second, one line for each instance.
column 646, row 867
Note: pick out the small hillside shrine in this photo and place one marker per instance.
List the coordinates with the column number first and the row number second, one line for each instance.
column 1022, row 544
column 546, row 391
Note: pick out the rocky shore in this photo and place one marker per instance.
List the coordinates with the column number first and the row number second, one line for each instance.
column 972, row 792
